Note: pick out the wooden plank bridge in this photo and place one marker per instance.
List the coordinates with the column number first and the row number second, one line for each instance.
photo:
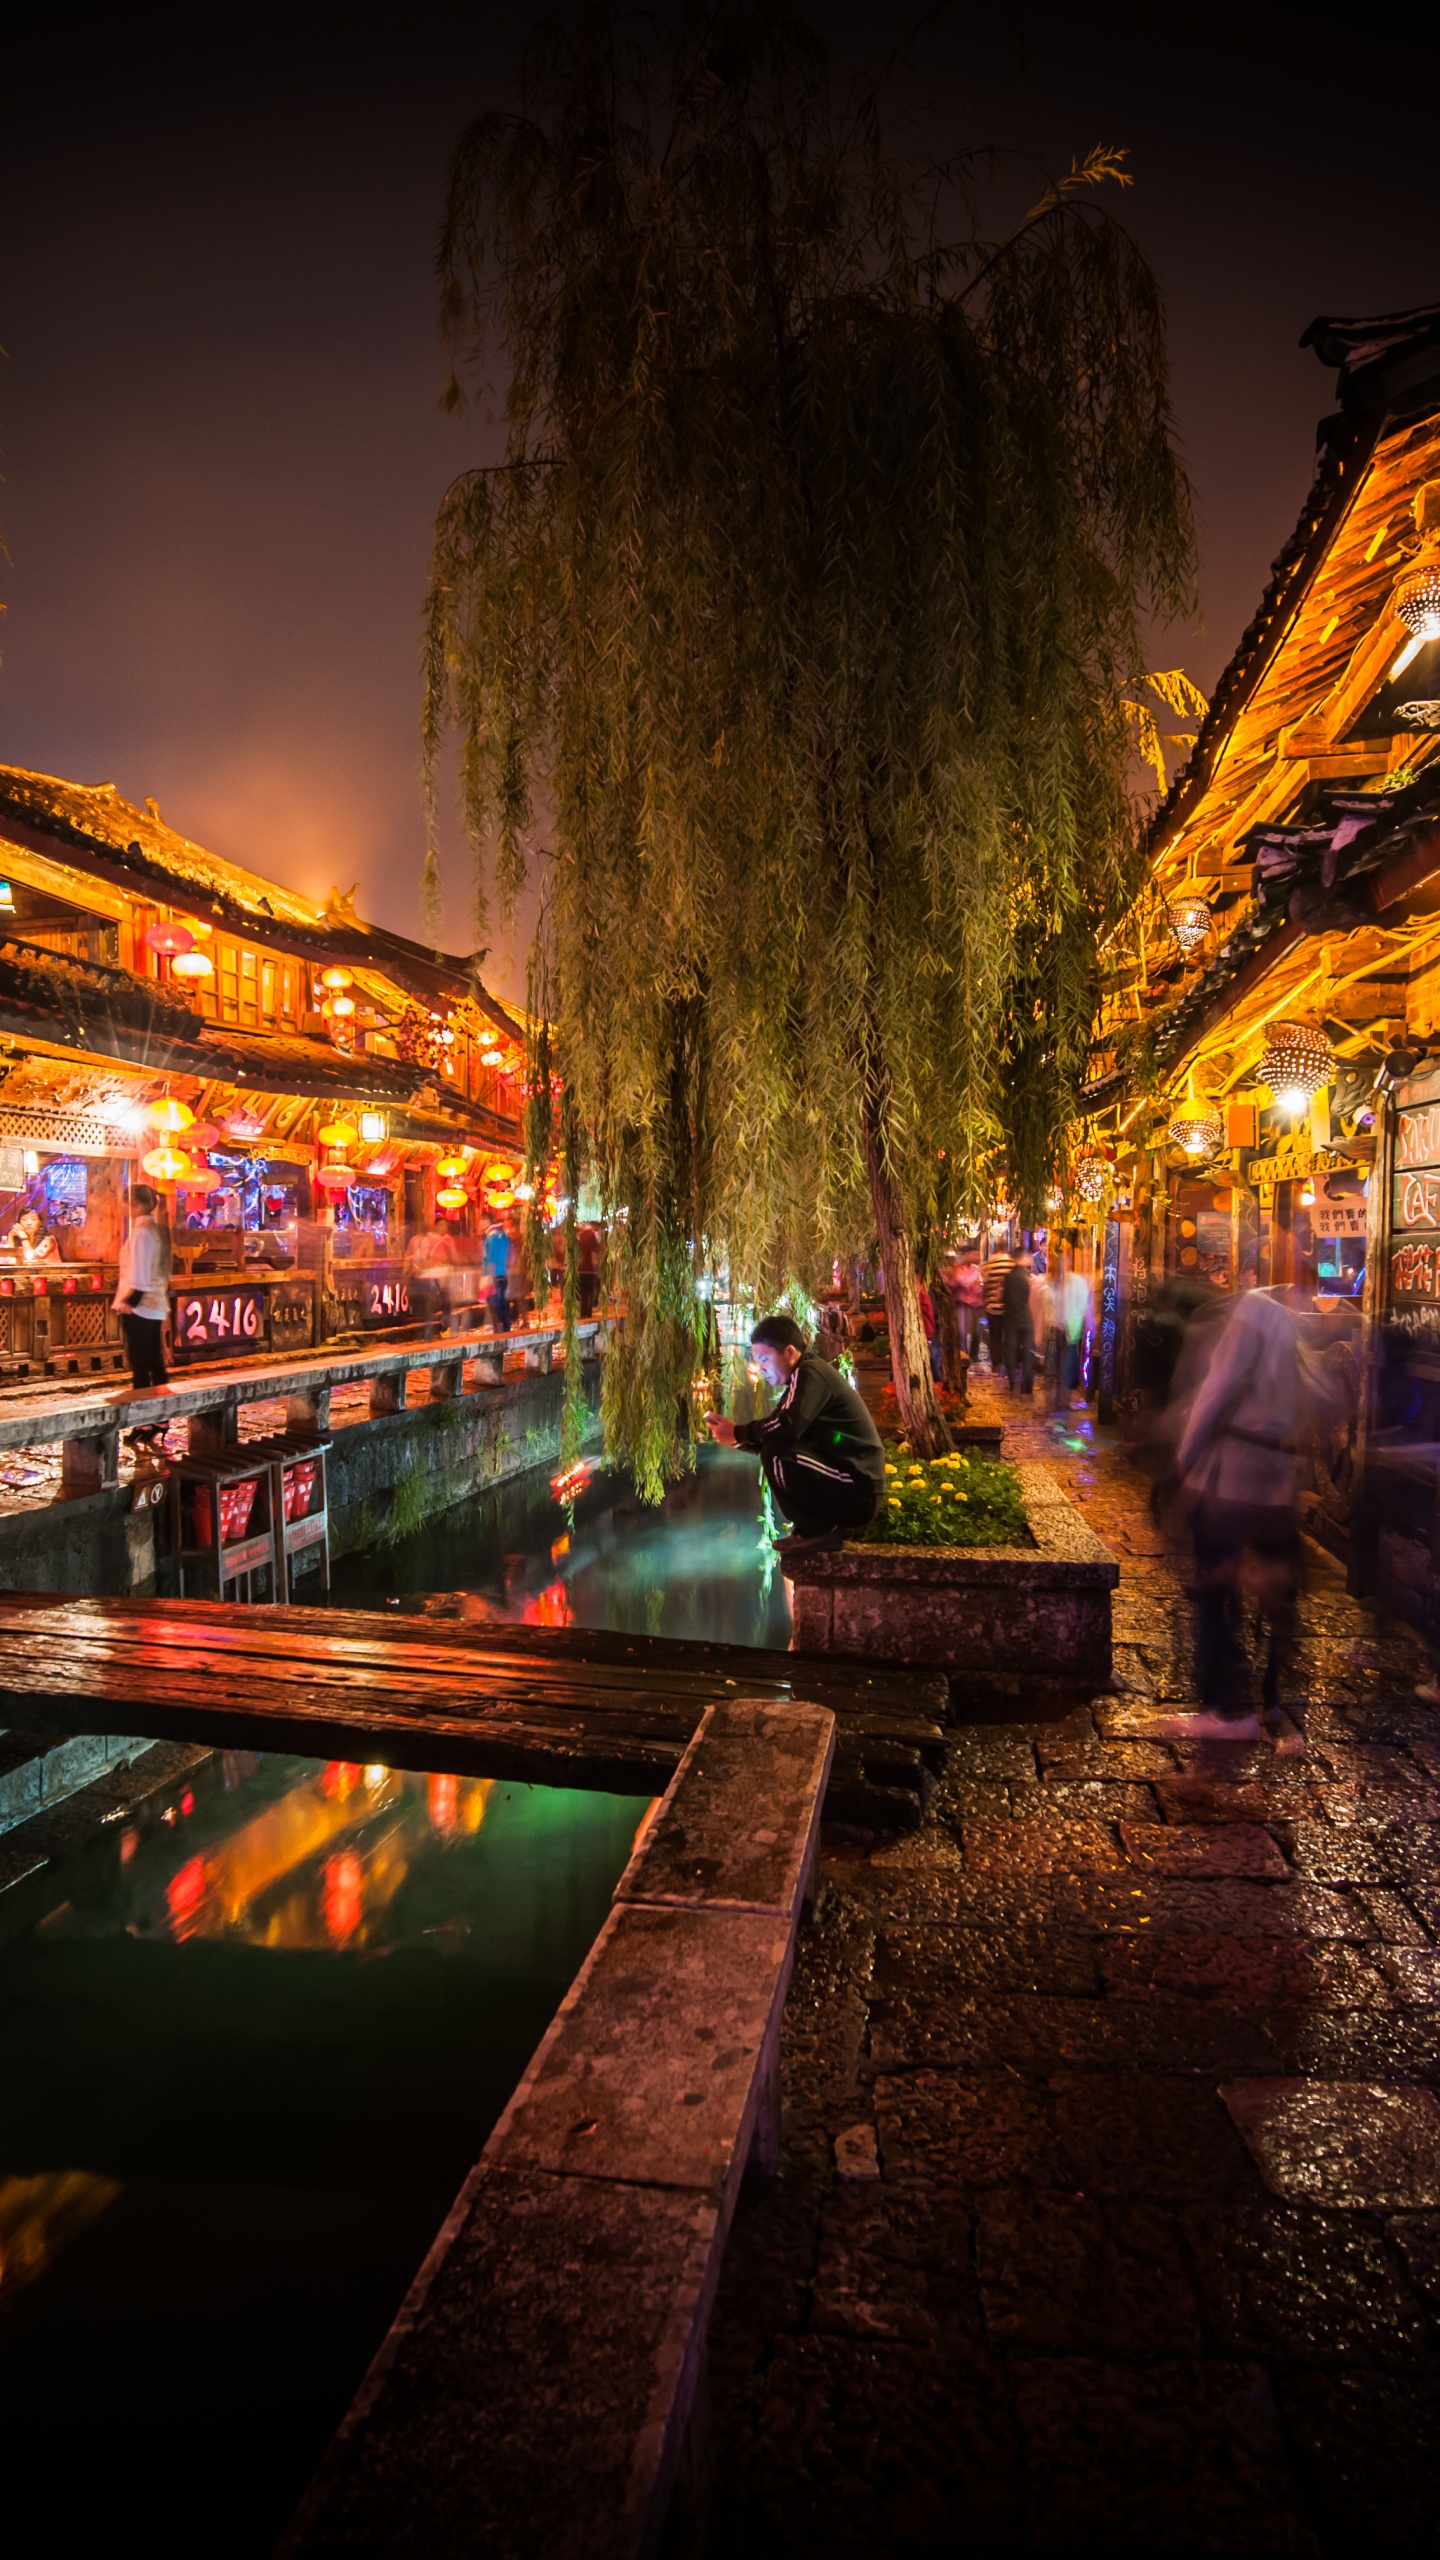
column 554, row 1706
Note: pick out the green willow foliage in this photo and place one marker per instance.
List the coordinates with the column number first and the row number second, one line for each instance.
column 798, row 619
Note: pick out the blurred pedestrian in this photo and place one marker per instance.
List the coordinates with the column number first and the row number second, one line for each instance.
column 1019, row 1337
column 1236, row 1462
column 1075, row 1317
column 497, row 1256
column 968, row 1284
column 992, row 1289
column 142, row 1299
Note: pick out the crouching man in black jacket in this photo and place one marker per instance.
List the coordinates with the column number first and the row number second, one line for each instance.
column 821, row 1452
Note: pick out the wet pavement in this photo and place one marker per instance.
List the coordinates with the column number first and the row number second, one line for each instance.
column 1130, row 2056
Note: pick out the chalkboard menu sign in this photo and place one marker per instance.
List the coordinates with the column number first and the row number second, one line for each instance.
column 1415, row 1223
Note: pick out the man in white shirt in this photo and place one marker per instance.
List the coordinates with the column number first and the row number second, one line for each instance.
column 142, row 1300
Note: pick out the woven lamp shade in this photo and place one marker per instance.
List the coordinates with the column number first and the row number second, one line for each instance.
column 1295, row 1063
column 1200, row 1133
column 1417, row 601
column 1189, row 922
column 1091, row 1175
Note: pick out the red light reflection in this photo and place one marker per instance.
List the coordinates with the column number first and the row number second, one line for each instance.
column 186, row 1889
column 442, row 1802
column 549, row 1608
column 342, row 1894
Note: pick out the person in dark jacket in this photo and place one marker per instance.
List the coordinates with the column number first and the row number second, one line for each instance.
column 1019, row 1334
column 820, row 1451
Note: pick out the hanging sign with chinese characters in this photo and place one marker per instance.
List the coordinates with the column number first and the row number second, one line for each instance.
column 1415, row 1223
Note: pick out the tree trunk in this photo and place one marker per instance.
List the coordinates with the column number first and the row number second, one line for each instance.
column 949, row 1331
column 921, row 1421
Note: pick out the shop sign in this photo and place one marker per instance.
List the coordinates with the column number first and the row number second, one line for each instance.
column 386, row 1299
column 232, row 1320
column 1417, row 1138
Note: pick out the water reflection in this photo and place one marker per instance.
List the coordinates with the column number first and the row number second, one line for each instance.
column 701, row 1566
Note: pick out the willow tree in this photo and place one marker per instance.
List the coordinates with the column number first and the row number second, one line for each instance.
column 798, row 619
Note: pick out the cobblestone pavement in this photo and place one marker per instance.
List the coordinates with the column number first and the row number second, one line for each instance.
column 1129, row 2054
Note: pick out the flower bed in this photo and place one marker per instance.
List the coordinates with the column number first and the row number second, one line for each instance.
column 1022, row 1624
column 957, row 1501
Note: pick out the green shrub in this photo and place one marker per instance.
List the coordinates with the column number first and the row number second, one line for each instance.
column 959, row 1501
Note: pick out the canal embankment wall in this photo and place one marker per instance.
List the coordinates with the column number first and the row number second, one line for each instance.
column 388, row 1474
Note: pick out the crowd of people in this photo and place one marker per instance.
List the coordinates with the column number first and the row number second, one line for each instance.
column 1032, row 1313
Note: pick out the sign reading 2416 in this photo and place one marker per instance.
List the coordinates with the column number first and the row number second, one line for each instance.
column 218, row 1323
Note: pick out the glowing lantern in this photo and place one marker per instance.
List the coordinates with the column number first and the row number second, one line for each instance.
column 334, row 1177
column 169, row 940
column 200, row 1135
column 201, row 1177
column 337, row 978
column 170, row 1115
column 192, row 964
column 338, row 1007
column 1091, row 1174
column 372, row 1127
column 1417, row 601
column 166, row 1164
column 452, row 1197
column 1200, row 1133
column 450, row 1168
column 337, row 1133
column 1296, row 1063
column 1190, row 923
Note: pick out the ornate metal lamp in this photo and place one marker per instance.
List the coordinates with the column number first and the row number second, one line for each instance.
column 1189, row 922
column 1296, row 1062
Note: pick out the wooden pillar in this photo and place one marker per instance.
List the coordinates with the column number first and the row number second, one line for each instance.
column 1282, row 1236
column 1361, row 1564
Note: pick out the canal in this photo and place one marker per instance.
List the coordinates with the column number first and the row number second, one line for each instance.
column 257, row 2028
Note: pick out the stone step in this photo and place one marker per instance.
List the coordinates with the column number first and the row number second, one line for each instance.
column 39, row 1769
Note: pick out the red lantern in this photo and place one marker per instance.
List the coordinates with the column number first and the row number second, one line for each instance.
column 334, row 1177
column 169, row 940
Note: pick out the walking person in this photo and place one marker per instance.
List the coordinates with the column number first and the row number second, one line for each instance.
column 142, row 1299
column 1076, row 1314
column 821, row 1454
column 992, row 1295
column 1019, row 1336
column 497, row 1256
column 1236, row 1462
column 968, row 1284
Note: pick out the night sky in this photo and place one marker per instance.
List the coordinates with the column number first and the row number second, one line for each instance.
column 222, row 443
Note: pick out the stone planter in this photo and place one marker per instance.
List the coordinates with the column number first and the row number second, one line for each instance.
column 1021, row 1628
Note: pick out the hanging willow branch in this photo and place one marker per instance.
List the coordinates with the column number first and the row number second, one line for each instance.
column 799, row 618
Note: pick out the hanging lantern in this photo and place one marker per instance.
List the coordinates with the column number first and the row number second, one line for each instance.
column 1199, row 1132
column 372, row 1127
column 166, row 1164
column 337, row 1133
column 243, row 1124
column 192, row 964
column 201, row 1177
column 338, row 1008
column 337, row 978
column 169, row 940
column 200, row 1135
column 334, row 1177
column 452, row 1197
column 1296, row 1062
column 1091, row 1175
column 1189, row 922
column 450, row 1168
column 1417, row 601
column 170, row 1115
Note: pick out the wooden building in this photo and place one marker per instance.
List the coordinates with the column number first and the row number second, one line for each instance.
column 1266, row 1105
column 325, row 1083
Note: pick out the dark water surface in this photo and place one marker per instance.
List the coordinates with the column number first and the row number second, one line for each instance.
column 253, row 2035
column 701, row 1565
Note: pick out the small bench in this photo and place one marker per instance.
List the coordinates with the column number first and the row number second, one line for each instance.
column 545, row 2378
